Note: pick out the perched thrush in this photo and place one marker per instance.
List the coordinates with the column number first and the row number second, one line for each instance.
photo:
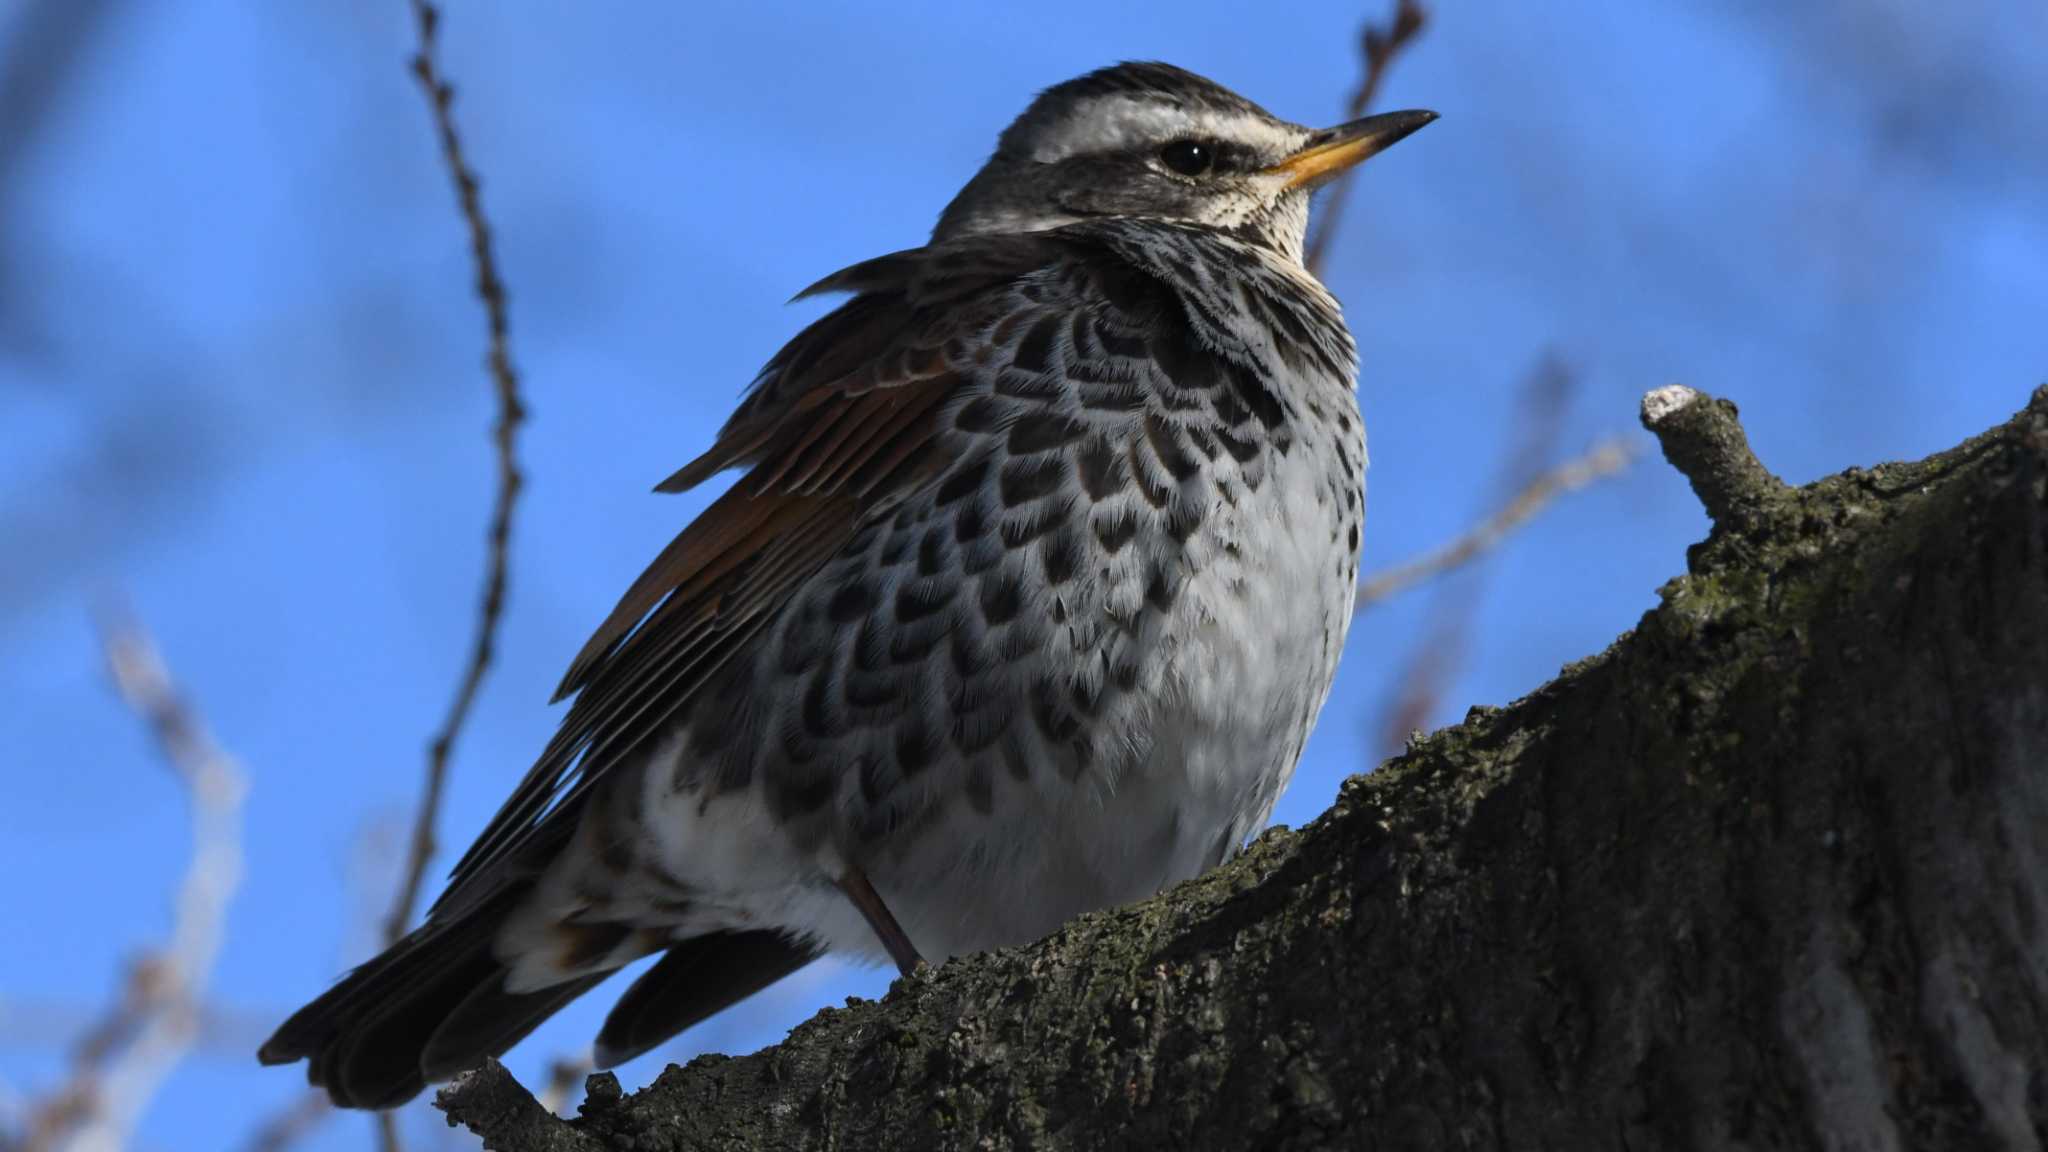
column 1027, row 596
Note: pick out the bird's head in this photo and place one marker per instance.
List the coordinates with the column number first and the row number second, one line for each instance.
column 1159, row 141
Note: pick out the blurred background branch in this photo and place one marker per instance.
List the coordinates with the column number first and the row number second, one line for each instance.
column 1378, row 44
column 1523, row 484
column 119, row 1064
column 40, row 50
column 218, row 1029
column 291, row 1124
column 565, row 1076
column 504, row 437
column 490, row 289
column 1605, row 459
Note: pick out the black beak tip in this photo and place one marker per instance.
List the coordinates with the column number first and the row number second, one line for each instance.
column 1399, row 124
column 1383, row 130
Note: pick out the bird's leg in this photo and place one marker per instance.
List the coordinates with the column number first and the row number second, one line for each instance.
column 855, row 884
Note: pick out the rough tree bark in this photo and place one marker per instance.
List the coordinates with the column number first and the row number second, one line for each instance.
column 1771, row 872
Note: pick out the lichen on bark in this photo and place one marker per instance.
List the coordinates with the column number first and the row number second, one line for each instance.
column 1771, row 872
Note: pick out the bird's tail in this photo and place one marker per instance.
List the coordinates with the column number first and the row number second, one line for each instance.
column 429, row 1007
column 438, row 1002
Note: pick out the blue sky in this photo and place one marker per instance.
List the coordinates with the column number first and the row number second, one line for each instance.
column 241, row 385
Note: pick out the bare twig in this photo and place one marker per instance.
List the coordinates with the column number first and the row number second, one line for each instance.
column 119, row 1064
column 490, row 1103
column 491, row 290
column 1377, row 45
column 292, row 1123
column 72, row 1105
column 51, row 1024
column 1524, row 486
column 565, row 1075
column 1604, row 459
column 41, row 49
column 13, row 1107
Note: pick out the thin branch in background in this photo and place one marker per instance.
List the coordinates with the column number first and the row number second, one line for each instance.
column 43, row 45
column 66, row 1109
column 292, row 1123
column 13, row 1108
column 122, row 1061
column 41, row 49
column 565, row 1075
column 504, row 435
column 1607, row 458
column 1523, row 486
column 60, row 1025
column 1377, row 46
column 371, row 868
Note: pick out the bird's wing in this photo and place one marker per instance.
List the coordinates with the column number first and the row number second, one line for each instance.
column 840, row 424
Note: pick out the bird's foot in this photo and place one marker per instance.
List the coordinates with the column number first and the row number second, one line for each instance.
column 855, row 884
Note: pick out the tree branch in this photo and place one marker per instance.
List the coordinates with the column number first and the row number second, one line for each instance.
column 1607, row 458
column 122, row 1061
column 490, row 1103
column 1524, row 483
column 504, row 435
column 291, row 1124
column 1767, row 873
column 1703, row 439
column 565, row 1075
column 490, row 289
column 41, row 48
column 1377, row 47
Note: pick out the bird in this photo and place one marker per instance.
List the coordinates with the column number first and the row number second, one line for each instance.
column 1027, row 594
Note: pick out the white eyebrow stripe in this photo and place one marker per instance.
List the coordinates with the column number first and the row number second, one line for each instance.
column 1110, row 123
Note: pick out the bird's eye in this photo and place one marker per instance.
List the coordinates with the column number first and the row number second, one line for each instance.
column 1188, row 157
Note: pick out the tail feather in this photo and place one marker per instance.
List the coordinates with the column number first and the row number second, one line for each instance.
column 490, row 1020
column 694, row 979
column 436, row 1004
column 431, row 1006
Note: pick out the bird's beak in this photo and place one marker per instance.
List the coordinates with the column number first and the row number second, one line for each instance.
column 1332, row 150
